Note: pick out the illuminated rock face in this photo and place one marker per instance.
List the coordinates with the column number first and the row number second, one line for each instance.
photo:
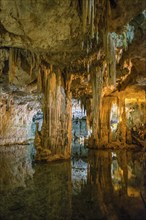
column 129, row 113
column 16, row 119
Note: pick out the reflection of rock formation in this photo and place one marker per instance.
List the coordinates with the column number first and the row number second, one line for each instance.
column 100, row 177
column 110, row 192
column 113, row 187
column 16, row 167
column 52, row 191
column 48, row 196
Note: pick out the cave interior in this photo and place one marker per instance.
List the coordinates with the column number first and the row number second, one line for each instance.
column 73, row 79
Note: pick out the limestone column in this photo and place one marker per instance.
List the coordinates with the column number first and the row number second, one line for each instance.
column 96, row 78
column 69, row 114
column 56, row 130
column 122, row 129
column 89, row 113
column 105, row 136
column 104, row 119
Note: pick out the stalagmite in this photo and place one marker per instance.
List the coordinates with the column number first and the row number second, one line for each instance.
column 111, row 59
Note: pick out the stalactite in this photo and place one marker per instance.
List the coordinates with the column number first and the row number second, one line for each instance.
column 49, row 118
column 12, row 64
column 89, row 12
column 111, row 59
column 39, row 81
column 82, row 45
column 85, row 10
column 97, row 37
column 89, row 114
column 88, row 67
column 108, row 9
column 109, row 47
column 88, row 16
column 92, row 20
column 125, row 44
column 87, row 47
column 15, row 55
column 84, row 63
column 32, row 63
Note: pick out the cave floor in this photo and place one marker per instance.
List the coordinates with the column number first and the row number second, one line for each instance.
column 105, row 185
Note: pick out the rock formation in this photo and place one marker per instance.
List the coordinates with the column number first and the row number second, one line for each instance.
column 56, row 50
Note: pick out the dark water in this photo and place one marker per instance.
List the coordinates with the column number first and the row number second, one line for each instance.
column 105, row 186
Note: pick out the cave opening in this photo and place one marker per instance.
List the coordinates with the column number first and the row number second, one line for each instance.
column 79, row 130
column 114, row 121
column 37, row 119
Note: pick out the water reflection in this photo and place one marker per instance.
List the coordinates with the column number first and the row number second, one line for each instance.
column 106, row 186
column 16, row 166
column 79, row 175
column 115, row 180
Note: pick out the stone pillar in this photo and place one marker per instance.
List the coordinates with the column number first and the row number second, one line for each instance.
column 105, row 136
column 96, row 105
column 69, row 114
column 89, row 113
column 56, row 129
column 104, row 119
column 122, row 129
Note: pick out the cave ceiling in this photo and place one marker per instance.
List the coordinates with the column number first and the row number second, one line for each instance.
column 54, row 32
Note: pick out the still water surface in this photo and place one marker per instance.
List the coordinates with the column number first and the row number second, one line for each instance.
column 104, row 186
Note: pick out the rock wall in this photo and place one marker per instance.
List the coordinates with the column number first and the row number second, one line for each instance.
column 16, row 119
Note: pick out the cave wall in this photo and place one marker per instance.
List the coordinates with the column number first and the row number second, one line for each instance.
column 16, row 119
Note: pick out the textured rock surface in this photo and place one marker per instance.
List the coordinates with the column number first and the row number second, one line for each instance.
column 16, row 115
column 81, row 49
